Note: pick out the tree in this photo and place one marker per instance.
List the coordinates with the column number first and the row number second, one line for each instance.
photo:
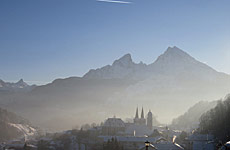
column 112, row 144
column 217, row 121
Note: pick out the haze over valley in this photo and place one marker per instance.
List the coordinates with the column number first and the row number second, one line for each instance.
column 168, row 87
column 114, row 75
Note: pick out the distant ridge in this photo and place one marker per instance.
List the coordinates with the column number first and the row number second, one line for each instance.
column 19, row 86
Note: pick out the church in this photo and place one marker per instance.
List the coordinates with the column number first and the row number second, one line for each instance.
column 141, row 126
column 142, row 120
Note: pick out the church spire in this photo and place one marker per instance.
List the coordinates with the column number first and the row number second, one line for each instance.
column 137, row 113
column 142, row 113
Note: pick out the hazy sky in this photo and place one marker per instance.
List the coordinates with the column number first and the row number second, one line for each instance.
column 41, row 40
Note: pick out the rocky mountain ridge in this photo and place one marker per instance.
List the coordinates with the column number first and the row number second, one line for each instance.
column 16, row 87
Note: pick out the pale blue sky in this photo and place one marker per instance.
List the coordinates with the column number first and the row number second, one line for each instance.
column 41, row 40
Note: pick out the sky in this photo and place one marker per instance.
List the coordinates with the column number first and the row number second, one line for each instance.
column 42, row 40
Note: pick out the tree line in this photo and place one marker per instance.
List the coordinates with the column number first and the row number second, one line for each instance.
column 217, row 121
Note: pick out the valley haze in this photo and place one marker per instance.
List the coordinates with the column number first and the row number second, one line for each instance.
column 168, row 87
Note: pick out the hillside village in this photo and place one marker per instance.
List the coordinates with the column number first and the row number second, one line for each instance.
column 114, row 133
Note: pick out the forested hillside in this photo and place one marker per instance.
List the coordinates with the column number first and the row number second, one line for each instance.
column 190, row 119
column 217, row 120
column 13, row 126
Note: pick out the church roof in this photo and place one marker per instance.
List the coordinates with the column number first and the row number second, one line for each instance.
column 114, row 122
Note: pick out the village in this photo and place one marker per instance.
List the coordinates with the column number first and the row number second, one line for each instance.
column 114, row 133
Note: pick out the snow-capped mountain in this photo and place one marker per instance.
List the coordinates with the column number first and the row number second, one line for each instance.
column 172, row 62
column 121, row 68
column 168, row 86
column 18, row 86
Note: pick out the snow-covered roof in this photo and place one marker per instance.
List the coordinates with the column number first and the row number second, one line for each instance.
column 140, row 130
column 129, row 138
column 114, row 122
column 201, row 137
column 168, row 146
column 151, row 147
column 163, row 145
column 227, row 144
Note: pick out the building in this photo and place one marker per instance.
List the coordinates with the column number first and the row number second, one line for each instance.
column 150, row 120
column 141, row 120
column 113, row 126
column 200, row 141
column 129, row 142
column 138, row 143
column 140, row 127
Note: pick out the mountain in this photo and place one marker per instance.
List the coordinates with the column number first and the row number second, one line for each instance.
column 13, row 126
column 191, row 119
column 19, row 86
column 168, row 86
column 174, row 61
column 120, row 69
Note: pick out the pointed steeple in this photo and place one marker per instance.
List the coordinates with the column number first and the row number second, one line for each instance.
column 137, row 116
column 142, row 113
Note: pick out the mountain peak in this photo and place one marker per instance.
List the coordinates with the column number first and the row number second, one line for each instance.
column 121, row 68
column 173, row 54
column 126, row 56
column 124, row 60
column 175, row 50
column 20, row 81
column 1, row 81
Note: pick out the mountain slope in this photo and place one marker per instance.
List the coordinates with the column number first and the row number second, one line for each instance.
column 216, row 120
column 177, row 81
column 67, row 102
column 190, row 119
column 168, row 86
column 13, row 126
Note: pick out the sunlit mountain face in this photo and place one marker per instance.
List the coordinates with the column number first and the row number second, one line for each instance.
column 166, row 86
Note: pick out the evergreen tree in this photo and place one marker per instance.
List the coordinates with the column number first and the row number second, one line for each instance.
column 217, row 121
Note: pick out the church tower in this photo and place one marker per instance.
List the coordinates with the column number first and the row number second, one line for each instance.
column 142, row 119
column 150, row 120
column 142, row 113
column 136, row 119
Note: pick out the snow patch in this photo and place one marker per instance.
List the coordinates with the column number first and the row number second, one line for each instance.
column 26, row 130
